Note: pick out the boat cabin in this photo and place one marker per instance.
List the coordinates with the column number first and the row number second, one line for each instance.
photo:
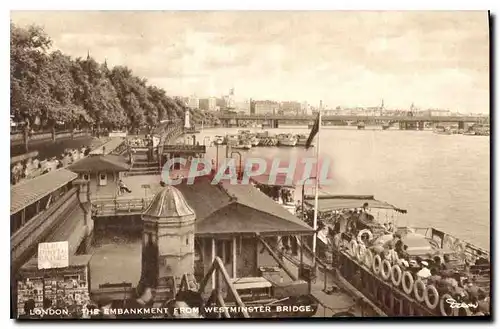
column 280, row 191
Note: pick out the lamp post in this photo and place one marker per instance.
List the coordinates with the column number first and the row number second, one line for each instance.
column 309, row 281
column 236, row 152
column 303, row 195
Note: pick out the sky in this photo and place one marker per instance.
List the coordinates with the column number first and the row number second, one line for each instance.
column 431, row 59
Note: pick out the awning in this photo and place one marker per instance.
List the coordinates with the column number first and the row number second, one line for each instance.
column 32, row 190
column 279, row 180
column 339, row 202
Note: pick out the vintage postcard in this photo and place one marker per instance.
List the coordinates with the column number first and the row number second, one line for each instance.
column 247, row 164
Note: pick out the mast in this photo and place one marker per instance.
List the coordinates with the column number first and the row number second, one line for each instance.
column 316, row 192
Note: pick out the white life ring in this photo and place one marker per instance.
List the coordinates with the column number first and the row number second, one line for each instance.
column 385, row 269
column 377, row 264
column 442, row 302
column 368, row 258
column 396, row 275
column 362, row 232
column 353, row 248
column 419, row 290
column 448, row 242
column 427, row 298
column 361, row 252
column 459, row 247
column 407, row 282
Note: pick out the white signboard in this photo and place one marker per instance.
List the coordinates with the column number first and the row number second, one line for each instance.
column 53, row 255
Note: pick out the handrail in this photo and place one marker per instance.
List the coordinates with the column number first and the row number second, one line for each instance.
column 277, row 259
column 218, row 266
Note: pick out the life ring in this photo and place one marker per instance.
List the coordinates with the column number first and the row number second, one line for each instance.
column 442, row 309
column 385, row 269
column 361, row 252
column 353, row 248
column 368, row 258
column 419, row 290
column 362, row 232
column 396, row 275
column 377, row 264
column 427, row 298
column 407, row 282
column 448, row 241
column 459, row 247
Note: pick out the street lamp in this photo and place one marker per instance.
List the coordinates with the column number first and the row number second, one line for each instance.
column 303, row 195
column 236, row 152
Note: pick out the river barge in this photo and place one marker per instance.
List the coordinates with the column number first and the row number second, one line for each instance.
column 358, row 244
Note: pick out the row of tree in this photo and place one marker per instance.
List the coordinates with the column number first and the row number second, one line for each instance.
column 50, row 88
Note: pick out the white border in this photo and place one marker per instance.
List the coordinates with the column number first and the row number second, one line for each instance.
column 195, row 5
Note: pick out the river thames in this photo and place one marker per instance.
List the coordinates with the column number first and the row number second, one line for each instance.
column 442, row 180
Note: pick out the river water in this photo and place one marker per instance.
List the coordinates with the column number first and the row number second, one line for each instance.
column 442, row 180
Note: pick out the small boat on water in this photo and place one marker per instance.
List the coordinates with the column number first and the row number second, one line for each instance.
column 242, row 145
column 231, row 139
column 247, row 134
column 387, row 263
column 238, row 142
column 287, row 140
column 302, row 140
column 361, row 125
column 440, row 130
column 385, row 126
column 219, row 140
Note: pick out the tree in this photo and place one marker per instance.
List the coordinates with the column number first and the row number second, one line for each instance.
column 51, row 88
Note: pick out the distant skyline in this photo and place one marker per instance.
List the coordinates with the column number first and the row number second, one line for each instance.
column 431, row 59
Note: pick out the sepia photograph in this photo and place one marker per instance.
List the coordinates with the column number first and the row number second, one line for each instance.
column 250, row 164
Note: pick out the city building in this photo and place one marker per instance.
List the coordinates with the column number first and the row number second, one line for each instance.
column 266, row 107
column 212, row 104
column 291, row 108
column 193, row 102
column 204, row 104
column 221, row 103
column 243, row 106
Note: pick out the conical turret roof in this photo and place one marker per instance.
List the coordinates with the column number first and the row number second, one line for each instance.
column 169, row 203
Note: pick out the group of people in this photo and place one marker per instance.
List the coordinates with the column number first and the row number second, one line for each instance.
column 33, row 167
column 438, row 270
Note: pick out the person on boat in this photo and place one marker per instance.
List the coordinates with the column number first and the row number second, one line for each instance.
column 404, row 253
column 391, row 254
column 403, row 263
column 445, row 265
column 424, row 272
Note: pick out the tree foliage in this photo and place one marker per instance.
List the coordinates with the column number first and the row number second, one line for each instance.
column 48, row 88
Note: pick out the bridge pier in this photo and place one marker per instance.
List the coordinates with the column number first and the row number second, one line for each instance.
column 461, row 125
column 275, row 123
column 421, row 125
column 402, row 125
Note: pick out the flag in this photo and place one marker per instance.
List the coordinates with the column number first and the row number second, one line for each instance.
column 313, row 132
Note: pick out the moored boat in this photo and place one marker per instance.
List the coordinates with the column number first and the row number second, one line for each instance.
column 301, row 140
column 219, row 140
column 287, row 140
column 385, row 263
column 440, row 130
